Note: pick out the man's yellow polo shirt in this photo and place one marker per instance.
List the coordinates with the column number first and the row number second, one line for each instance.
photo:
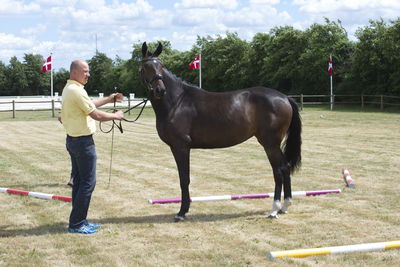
column 75, row 110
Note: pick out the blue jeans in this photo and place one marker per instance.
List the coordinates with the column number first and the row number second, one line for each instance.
column 83, row 160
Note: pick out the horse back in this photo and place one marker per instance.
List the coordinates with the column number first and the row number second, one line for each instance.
column 229, row 118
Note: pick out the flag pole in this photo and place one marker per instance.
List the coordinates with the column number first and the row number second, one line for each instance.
column 51, row 76
column 331, row 85
column 200, row 71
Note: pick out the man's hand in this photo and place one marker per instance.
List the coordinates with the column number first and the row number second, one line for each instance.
column 117, row 96
column 119, row 114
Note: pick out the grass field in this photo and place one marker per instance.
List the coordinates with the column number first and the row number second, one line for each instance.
column 33, row 232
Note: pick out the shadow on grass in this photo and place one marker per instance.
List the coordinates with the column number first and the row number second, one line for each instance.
column 32, row 187
column 61, row 228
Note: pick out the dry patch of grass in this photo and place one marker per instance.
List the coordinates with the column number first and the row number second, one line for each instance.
column 227, row 233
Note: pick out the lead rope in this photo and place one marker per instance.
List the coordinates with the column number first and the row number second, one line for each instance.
column 112, row 147
column 144, row 102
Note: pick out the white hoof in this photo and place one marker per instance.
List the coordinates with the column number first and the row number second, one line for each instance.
column 273, row 216
column 276, row 207
column 179, row 218
column 286, row 204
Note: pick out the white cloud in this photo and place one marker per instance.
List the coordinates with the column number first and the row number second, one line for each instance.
column 267, row 2
column 258, row 16
column 11, row 45
column 10, row 41
column 333, row 6
column 34, row 31
column 13, row 7
column 221, row 4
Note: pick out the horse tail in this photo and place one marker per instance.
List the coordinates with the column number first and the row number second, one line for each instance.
column 292, row 145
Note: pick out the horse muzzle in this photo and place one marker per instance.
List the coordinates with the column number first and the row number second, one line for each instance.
column 159, row 92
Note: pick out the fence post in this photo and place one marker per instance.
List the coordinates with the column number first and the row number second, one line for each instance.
column 362, row 100
column 301, row 102
column 52, row 108
column 129, row 105
column 381, row 102
column 13, row 108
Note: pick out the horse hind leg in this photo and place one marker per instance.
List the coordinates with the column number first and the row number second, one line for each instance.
column 281, row 177
column 277, row 208
column 276, row 204
column 287, row 189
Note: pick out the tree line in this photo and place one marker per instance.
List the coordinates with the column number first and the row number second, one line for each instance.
column 290, row 60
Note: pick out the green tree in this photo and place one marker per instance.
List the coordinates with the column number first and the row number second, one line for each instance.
column 17, row 80
column 4, row 86
column 59, row 79
column 259, row 50
column 376, row 61
column 130, row 74
column 280, row 67
column 101, row 68
column 223, row 62
column 323, row 41
column 38, row 82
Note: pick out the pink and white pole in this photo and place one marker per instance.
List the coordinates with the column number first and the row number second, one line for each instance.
column 34, row 194
column 347, row 178
column 244, row 196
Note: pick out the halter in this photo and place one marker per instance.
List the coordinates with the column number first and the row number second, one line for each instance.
column 157, row 76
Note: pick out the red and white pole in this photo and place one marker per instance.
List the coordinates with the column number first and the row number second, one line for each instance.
column 35, row 194
column 347, row 178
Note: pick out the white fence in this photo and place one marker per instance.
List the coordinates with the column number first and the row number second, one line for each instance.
column 380, row 101
column 26, row 103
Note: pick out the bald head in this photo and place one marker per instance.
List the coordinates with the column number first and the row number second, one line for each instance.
column 79, row 71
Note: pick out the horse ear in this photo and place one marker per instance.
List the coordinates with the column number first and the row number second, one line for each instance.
column 158, row 50
column 144, row 50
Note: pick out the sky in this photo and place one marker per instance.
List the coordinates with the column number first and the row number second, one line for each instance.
column 69, row 28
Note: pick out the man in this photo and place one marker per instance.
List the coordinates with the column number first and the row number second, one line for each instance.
column 78, row 115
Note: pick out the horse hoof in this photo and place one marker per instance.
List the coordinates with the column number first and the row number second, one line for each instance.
column 273, row 216
column 282, row 212
column 179, row 218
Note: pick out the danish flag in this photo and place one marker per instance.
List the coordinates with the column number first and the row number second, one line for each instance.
column 195, row 64
column 47, row 65
column 330, row 66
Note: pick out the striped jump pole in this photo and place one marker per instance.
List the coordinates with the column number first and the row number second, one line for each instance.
column 35, row 194
column 244, row 196
column 347, row 178
column 301, row 253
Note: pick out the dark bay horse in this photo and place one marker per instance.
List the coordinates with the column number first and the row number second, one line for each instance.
column 189, row 117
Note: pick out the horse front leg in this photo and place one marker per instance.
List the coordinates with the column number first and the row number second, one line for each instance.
column 182, row 159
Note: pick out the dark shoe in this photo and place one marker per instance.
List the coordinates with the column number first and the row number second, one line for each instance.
column 84, row 229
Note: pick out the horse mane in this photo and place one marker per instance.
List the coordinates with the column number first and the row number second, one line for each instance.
column 185, row 85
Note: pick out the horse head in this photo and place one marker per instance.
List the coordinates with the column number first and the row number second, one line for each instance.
column 152, row 71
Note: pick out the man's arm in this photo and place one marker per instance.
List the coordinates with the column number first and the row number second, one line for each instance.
column 109, row 99
column 100, row 115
